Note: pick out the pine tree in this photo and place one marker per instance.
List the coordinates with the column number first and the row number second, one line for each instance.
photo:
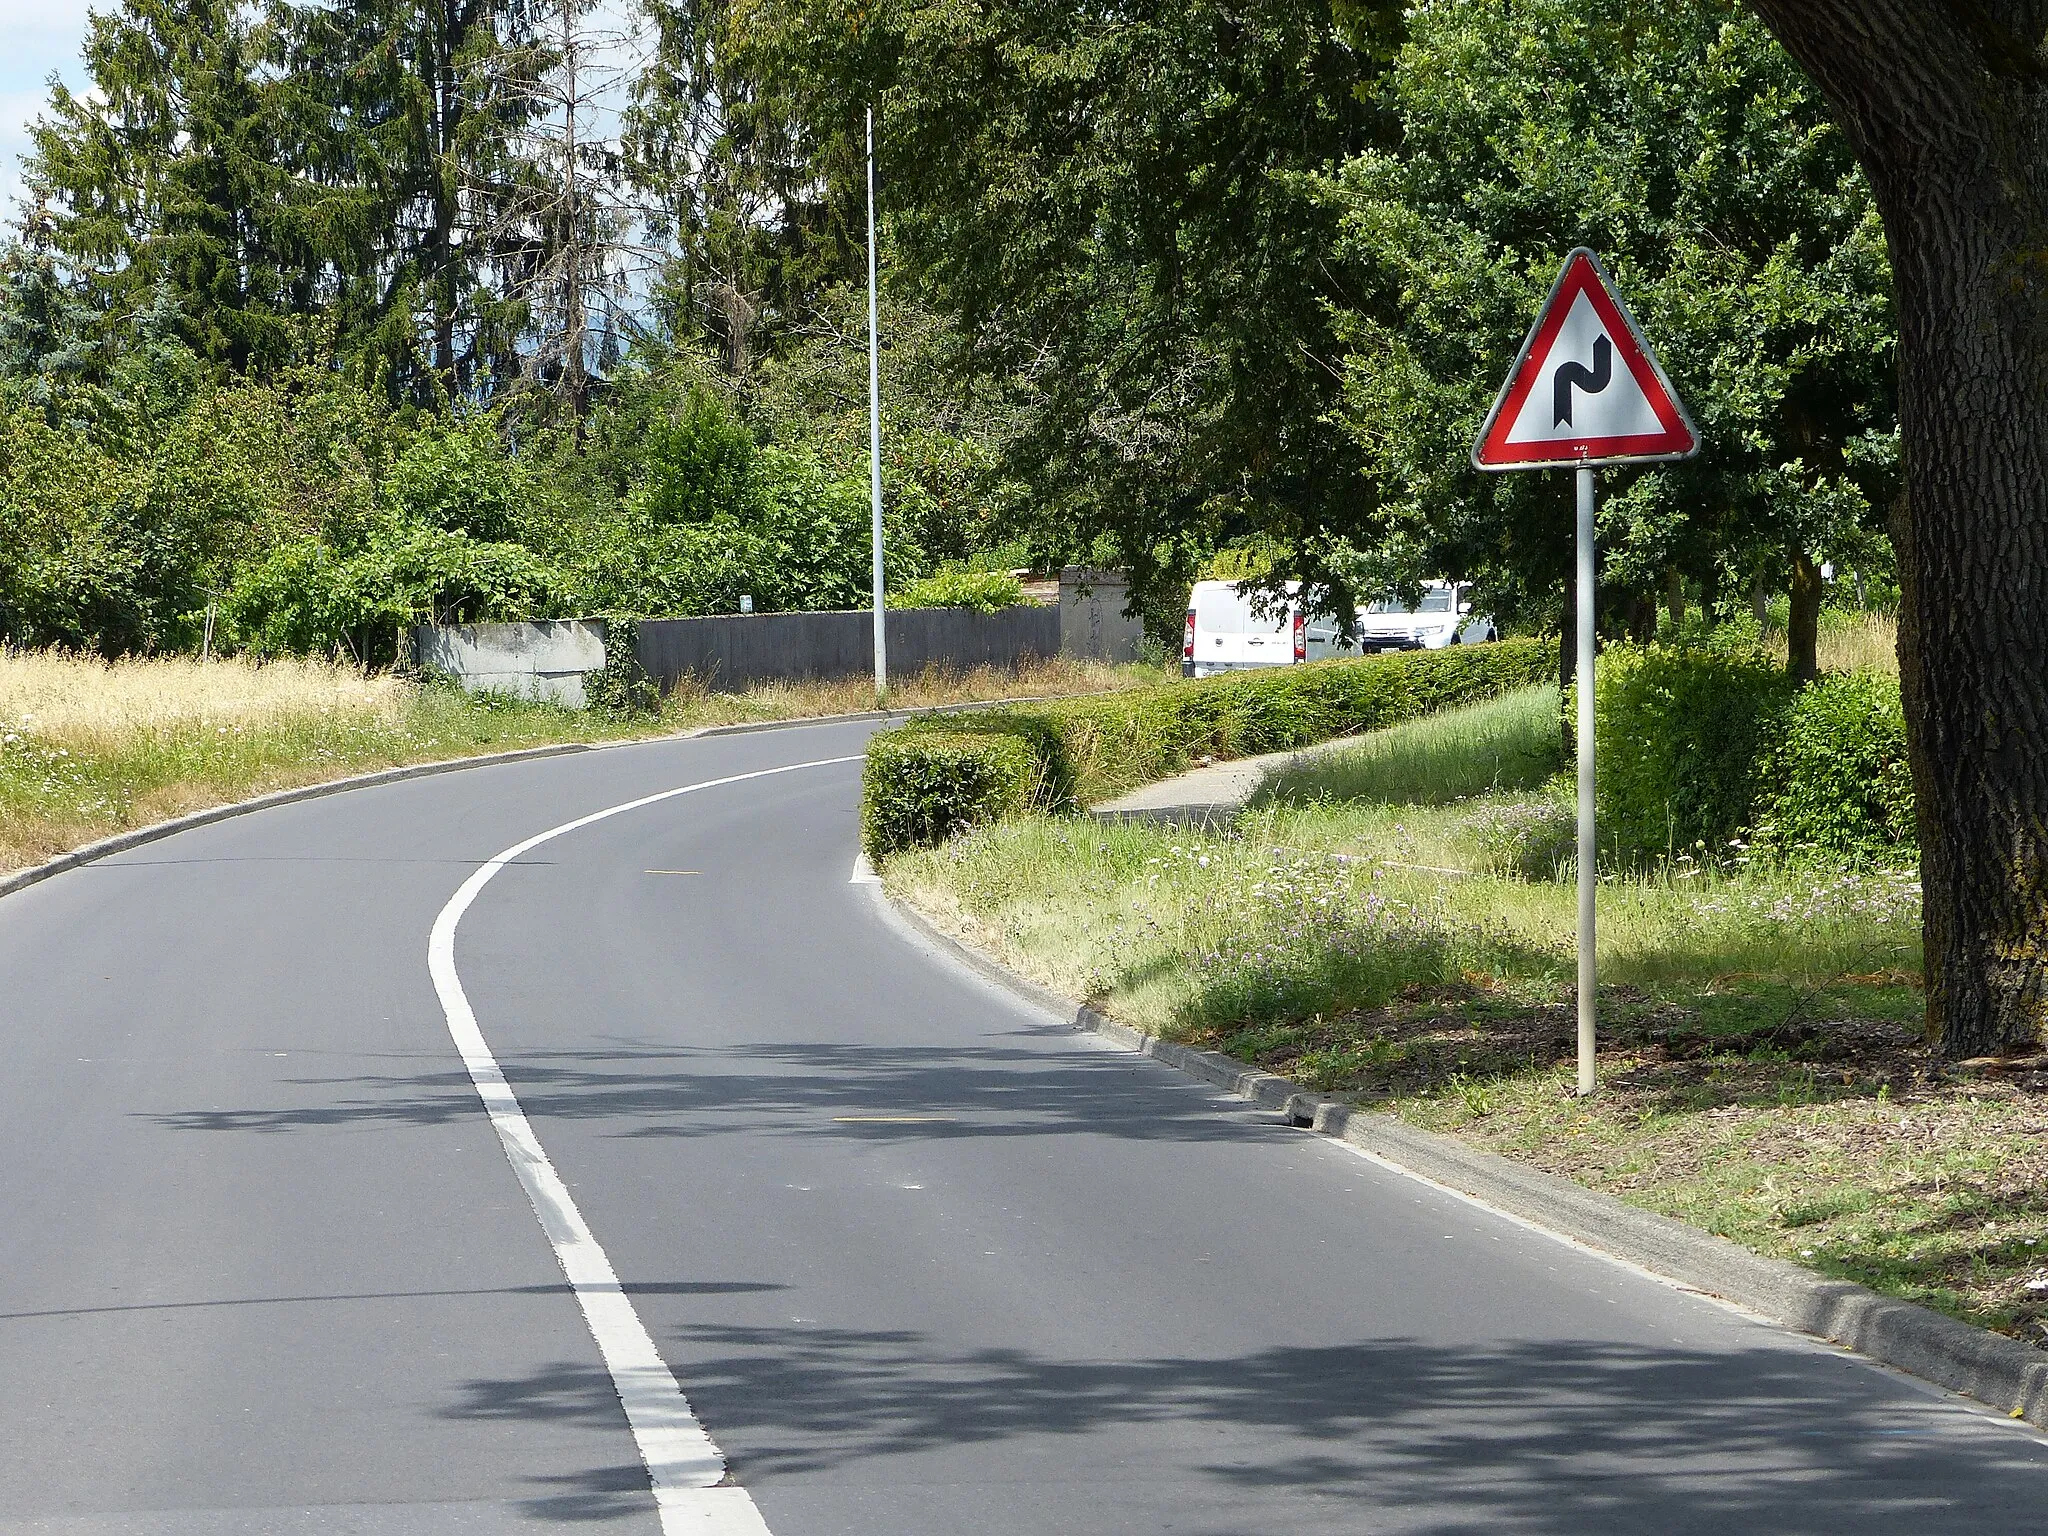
column 403, row 111
column 168, row 172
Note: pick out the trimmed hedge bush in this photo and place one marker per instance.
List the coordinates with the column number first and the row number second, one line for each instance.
column 921, row 787
column 1682, row 738
column 1705, row 746
column 1087, row 749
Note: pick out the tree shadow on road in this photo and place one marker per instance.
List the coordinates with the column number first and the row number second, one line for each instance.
column 1408, row 1434
column 861, row 1092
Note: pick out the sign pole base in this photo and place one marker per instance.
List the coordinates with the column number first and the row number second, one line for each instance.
column 1589, row 843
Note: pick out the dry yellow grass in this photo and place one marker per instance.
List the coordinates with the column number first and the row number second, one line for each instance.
column 1041, row 677
column 88, row 705
column 1866, row 643
column 1850, row 642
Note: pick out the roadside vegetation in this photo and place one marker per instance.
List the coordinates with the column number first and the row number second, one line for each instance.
column 1396, row 924
column 88, row 748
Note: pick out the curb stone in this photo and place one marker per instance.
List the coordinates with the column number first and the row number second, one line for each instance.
column 1999, row 1372
column 135, row 837
column 121, row 842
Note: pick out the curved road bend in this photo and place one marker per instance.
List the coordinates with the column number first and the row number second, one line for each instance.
column 922, row 1261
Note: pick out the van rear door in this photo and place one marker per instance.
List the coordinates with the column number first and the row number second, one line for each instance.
column 1228, row 636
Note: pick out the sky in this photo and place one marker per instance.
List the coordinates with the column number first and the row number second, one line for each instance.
column 37, row 38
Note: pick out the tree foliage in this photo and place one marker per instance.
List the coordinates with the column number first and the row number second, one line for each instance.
column 1684, row 146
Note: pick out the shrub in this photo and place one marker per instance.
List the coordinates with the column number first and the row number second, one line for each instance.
column 921, row 787
column 983, row 591
column 1838, row 782
column 1683, row 736
column 621, row 687
column 455, row 474
column 1086, row 749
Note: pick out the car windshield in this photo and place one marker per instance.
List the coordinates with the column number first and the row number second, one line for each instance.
column 1435, row 600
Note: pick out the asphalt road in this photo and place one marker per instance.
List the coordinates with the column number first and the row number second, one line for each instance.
column 922, row 1260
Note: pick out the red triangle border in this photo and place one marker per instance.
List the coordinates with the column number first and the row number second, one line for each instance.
column 1582, row 274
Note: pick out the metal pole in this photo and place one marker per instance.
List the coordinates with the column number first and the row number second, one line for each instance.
column 1589, row 846
column 875, row 430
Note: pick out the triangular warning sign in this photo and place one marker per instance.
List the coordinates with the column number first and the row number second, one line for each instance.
column 1586, row 389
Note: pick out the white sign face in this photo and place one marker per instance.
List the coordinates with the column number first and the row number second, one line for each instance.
column 1582, row 391
column 1586, row 389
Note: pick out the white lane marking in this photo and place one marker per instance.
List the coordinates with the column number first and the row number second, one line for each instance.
column 863, row 871
column 682, row 1461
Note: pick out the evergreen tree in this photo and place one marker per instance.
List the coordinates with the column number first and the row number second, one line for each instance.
column 168, row 171
column 402, row 112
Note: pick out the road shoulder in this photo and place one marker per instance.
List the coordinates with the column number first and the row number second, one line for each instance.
column 2001, row 1373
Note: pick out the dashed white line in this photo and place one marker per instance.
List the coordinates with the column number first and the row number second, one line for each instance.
column 683, row 1463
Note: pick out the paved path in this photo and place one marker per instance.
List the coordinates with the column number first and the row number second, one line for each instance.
column 922, row 1261
column 1214, row 793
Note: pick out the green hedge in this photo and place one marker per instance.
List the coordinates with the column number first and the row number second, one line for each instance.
column 1682, row 736
column 1087, row 749
column 1701, row 746
column 922, row 787
column 1839, row 779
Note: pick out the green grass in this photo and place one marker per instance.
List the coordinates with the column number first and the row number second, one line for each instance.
column 1306, row 910
column 1763, row 1071
column 1508, row 743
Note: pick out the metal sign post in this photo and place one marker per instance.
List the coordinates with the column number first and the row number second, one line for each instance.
column 1567, row 402
column 1589, row 836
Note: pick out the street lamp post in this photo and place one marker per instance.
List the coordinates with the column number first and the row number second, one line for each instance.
column 875, row 432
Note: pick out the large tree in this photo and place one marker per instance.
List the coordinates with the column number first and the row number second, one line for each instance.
column 1946, row 103
column 165, row 174
column 1110, row 204
column 405, row 116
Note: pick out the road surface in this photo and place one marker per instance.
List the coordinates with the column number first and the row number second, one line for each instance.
column 922, row 1260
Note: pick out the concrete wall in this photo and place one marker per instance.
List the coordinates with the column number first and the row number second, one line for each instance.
column 1092, row 621
column 734, row 651
column 536, row 661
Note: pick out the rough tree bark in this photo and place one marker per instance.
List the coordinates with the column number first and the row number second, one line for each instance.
column 1946, row 105
column 1802, row 628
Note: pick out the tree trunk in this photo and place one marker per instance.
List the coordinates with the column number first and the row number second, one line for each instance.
column 1946, row 104
column 1802, row 630
column 1642, row 617
column 1674, row 599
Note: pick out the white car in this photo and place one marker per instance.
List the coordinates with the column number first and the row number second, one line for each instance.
column 1223, row 634
column 1441, row 618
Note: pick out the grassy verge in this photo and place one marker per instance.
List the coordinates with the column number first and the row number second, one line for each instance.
column 1764, row 1074
column 88, row 749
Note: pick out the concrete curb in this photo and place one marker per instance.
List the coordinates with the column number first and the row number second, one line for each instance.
column 2000, row 1372
column 1214, row 796
column 121, row 842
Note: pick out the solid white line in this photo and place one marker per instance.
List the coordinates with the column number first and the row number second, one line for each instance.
column 682, row 1461
column 863, row 871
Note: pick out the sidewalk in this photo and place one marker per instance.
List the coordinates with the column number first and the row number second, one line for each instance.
column 1212, row 795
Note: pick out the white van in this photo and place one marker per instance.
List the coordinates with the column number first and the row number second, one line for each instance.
column 1223, row 634
column 1443, row 617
